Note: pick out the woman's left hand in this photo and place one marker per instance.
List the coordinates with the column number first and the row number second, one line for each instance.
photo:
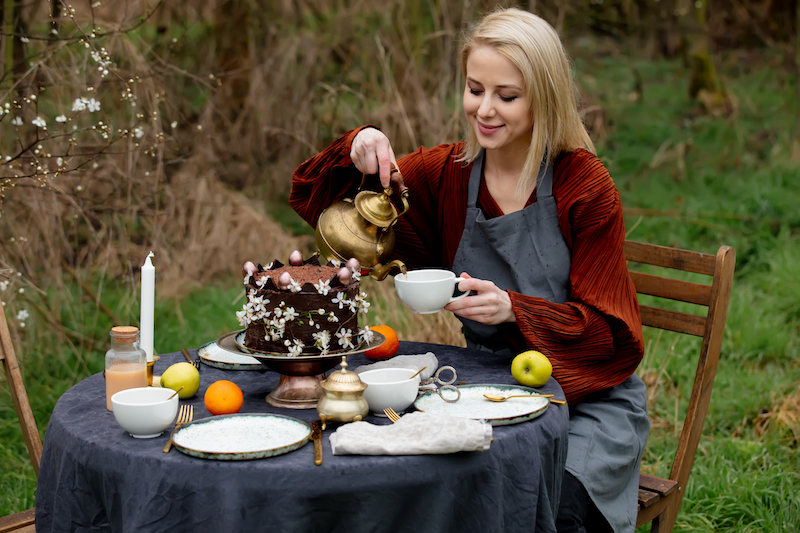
column 488, row 304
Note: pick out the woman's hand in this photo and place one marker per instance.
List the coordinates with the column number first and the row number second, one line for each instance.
column 372, row 153
column 488, row 305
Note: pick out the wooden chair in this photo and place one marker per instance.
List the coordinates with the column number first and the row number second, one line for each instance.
column 20, row 522
column 660, row 499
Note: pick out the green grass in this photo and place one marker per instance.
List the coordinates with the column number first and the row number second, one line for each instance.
column 712, row 181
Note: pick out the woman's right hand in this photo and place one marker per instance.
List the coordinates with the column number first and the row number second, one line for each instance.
column 372, row 153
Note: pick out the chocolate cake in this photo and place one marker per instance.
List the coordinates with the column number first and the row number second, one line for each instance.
column 311, row 311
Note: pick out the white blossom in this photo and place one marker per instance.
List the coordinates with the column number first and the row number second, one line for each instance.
column 341, row 299
column 345, row 338
column 294, row 286
column 61, row 118
column 323, row 287
column 138, row 132
column 17, row 121
column 23, row 315
column 367, row 334
column 4, row 285
column 39, row 123
column 322, row 339
column 296, row 348
column 336, row 263
column 290, row 314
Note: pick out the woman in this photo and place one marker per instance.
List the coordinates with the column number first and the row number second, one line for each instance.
column 524, row 210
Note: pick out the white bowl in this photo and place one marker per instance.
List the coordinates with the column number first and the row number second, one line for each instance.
column 390, row 387
column 145, row 412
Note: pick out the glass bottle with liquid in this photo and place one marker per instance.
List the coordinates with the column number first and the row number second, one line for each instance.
column 126, row 362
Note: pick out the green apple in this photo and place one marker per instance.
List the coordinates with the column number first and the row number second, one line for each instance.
column 531, row 368
column 182, row 375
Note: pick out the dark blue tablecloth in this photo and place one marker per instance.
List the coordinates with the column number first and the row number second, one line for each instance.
column 95, row 477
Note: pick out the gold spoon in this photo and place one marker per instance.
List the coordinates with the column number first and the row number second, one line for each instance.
column 498, row 398
column 418, row 372
column 176, row 392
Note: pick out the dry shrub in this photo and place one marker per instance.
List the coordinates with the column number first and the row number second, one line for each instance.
column 782, row 417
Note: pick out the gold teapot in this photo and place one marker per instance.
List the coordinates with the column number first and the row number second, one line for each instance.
column 362, row 228
column 343, row 400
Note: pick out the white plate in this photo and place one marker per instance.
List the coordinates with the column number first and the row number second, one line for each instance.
column 213, row 355
column 472, row 404
column 241, row 436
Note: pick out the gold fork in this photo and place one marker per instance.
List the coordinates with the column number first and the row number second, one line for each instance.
column 391, row 414
column 185, row 415
column 194, row 362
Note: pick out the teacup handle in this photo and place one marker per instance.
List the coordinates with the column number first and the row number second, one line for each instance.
column 454, row 298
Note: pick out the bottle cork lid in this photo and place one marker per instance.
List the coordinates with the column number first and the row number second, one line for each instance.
column 125, row 333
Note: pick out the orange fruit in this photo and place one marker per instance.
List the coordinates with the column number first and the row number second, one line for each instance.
column 223, row 397
column 388, row 348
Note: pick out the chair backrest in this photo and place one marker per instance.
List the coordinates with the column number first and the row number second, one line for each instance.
column 18, row 393
column 710, row 327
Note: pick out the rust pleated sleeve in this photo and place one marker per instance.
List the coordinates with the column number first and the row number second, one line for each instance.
column 595, row 340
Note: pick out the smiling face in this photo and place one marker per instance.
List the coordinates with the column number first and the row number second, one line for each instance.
column 496, row 103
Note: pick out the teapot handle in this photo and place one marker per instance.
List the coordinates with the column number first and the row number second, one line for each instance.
column 403, row 198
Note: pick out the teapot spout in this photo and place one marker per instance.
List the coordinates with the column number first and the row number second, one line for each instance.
column 379, row 272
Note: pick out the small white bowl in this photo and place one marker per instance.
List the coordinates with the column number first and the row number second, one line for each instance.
column 390, row 387
column 145, row 412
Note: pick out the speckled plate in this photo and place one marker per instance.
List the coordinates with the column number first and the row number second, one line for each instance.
column 240, row 437
column 212, row 355
column 473, row 405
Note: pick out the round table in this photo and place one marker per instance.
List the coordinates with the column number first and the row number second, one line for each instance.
column 95, row 477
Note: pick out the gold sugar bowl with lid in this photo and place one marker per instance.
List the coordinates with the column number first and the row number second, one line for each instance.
column 343, row 400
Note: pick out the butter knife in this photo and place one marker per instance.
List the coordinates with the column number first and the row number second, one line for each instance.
column 316, row 436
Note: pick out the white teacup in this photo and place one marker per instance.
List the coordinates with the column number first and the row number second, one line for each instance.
column 426, row 291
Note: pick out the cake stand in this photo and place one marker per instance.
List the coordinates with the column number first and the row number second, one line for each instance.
column 300, row 385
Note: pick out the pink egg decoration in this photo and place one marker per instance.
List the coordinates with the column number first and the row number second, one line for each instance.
column 296, row 258
column 284, row 280
column 249, row 268
column 344, row 275
column 353, row 264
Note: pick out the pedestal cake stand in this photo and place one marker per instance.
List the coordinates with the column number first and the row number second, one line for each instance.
column 301, row 377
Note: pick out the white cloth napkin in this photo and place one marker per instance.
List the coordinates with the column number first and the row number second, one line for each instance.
column 406, row 361
column 414, row 434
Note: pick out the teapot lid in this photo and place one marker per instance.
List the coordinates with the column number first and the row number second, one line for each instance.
column 376, row 208
column 343, row 381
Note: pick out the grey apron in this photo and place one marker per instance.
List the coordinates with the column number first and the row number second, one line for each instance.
column 525, row 252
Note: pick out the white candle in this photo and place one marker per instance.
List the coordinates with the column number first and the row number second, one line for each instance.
column 147, row 316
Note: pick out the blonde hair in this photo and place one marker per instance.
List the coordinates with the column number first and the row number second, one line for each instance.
column 534, row 47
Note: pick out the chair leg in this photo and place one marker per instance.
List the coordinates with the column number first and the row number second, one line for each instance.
column 665, row 522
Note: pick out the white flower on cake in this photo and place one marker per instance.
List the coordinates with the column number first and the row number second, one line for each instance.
column 294, row 286
column 323, row 287
column 243, row 319
column 345, row 338
column 366, row 334
column 322, row 340
column 296, row 348
column 261, row 282
column 336, row 263
column 333, row 318
column 356, row 275
column 341, row 299
column 289, row 314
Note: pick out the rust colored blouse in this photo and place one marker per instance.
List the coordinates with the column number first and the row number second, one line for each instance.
column 594, row 341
